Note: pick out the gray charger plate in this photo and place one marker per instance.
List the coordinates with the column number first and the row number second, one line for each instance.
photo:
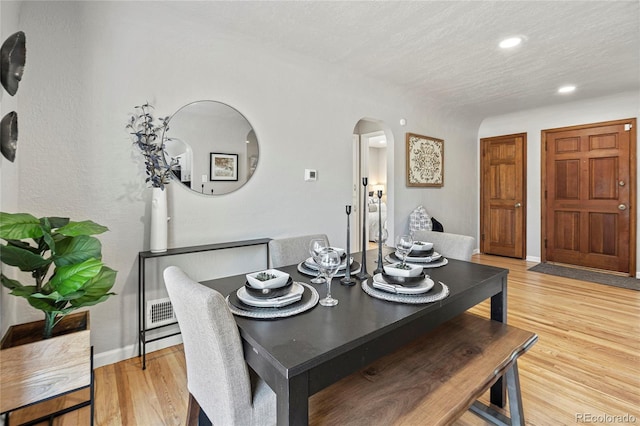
column 438, row 292
column 309, row 300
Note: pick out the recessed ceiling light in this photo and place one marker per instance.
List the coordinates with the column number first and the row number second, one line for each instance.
column 510, row 42
column 567, row 89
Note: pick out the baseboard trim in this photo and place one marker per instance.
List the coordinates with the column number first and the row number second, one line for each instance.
column 533, row 259
column 130, row 351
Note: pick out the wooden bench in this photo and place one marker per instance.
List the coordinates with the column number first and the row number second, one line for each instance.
column 433, row 380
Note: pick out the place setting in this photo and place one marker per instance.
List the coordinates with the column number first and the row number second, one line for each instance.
column 311, row 268
column 416, row 252
column 405, row 282
column 272, row 294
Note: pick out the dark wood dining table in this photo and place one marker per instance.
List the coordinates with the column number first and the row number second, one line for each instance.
column 302, row 354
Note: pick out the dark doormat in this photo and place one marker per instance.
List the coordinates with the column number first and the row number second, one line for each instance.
column 584, row 275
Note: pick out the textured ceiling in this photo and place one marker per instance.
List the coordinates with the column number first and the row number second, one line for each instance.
column 447, row 50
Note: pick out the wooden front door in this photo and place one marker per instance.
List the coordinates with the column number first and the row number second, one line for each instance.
column 589, row 192
column 503, row 195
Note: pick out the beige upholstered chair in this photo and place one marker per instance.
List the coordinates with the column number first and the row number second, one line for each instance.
column 218, row 378
column 455, row 246
column 289, row 251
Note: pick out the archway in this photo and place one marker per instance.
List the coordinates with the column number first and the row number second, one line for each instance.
column 372, row 158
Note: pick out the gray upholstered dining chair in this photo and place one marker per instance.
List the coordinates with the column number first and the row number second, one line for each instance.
column 455, row 246
column 218, row 377
column 289, row 251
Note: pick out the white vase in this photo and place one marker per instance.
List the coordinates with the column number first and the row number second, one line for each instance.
column 158, row 232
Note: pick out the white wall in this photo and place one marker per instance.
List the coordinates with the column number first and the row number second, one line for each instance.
column 8, row 171
column 460, row 177
column 615, row 107
column 377, row 166
column 89, row 63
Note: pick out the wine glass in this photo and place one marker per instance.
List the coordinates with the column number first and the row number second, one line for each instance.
column 380, row 238
column 329, row 262
column 316, row 246
column 403, row 247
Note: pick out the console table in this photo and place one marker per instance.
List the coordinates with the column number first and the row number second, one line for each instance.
column 144, row 255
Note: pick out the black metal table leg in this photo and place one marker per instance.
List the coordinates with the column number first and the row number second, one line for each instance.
column 499, row 313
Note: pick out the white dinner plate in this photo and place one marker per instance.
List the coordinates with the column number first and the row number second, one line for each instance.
column 277, row 302
column 304, row 269
column 311, row 264
column 392, row 258
column 380, row 283
column 436, row 264
column 421, row 259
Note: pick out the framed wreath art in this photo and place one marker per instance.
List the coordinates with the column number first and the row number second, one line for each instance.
column 425, row 161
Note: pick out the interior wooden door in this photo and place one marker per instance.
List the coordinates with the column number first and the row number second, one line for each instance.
column 589, row 192
column 503, row 195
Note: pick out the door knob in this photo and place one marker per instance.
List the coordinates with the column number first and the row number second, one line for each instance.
column 621, row 183
column 622, row 207
column 517, row 205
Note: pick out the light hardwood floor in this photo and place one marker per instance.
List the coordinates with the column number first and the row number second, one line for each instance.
column 585, row 364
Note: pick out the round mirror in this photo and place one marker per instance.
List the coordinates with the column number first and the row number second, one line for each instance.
column 215, row 145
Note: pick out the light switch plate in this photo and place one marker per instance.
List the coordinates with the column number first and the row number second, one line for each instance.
column 310, row 175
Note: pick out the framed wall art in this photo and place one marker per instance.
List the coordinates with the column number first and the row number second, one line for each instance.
column 223, row 166
column 425, row 161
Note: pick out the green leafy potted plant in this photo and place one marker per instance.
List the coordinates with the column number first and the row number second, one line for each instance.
column 44, row 359
column 79, row 278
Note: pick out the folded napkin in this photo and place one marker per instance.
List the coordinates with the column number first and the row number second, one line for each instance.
column 391, row 288
column 291, row 297
column 275, row 302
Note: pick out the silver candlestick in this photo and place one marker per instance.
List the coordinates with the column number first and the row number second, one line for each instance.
column 347, row 280
column 362, row 275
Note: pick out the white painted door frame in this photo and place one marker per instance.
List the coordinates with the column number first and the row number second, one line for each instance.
column 360, row 170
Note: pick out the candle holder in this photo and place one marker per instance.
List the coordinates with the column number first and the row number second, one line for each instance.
column 362, row 275
column 380, row 239
column 347, row 280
